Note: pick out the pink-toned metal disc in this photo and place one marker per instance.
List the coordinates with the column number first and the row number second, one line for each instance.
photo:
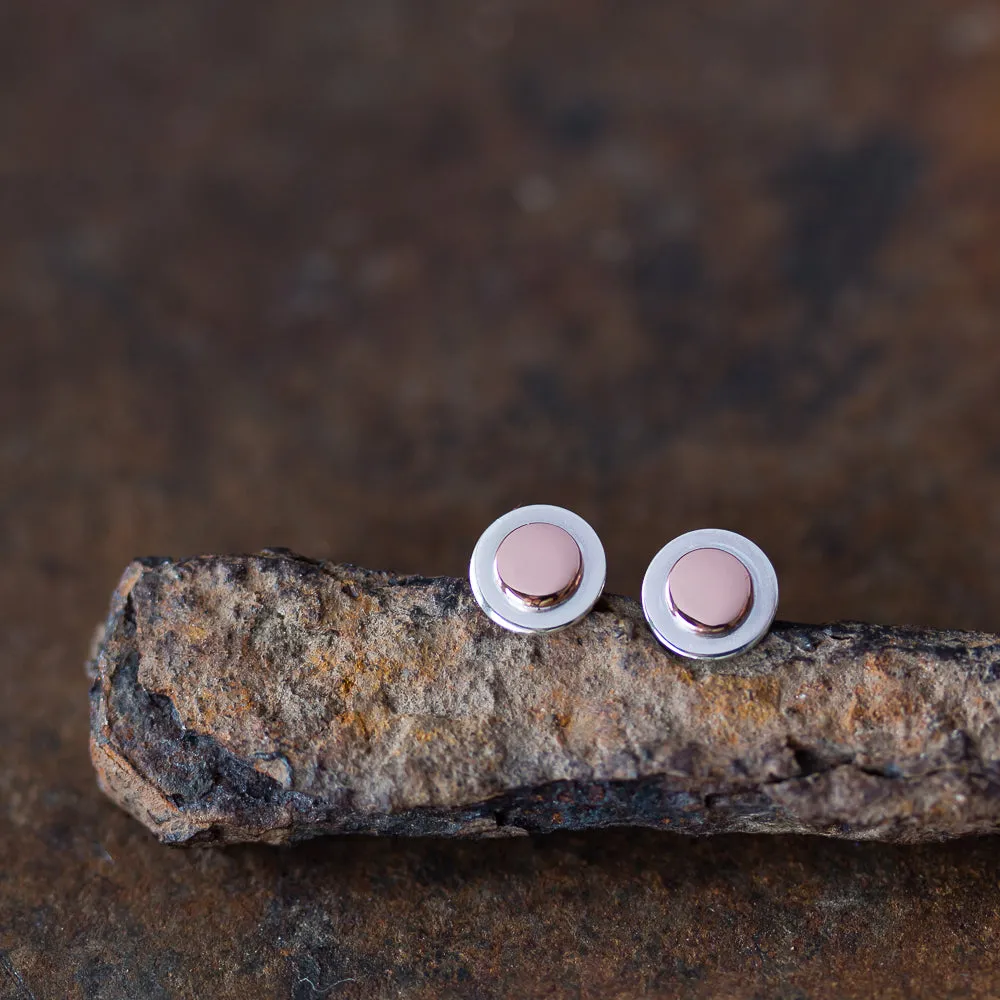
column 538, row 560
column 710, row 588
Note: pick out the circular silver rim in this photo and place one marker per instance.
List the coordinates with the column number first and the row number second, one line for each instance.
column 679, row 636
column 515, row 616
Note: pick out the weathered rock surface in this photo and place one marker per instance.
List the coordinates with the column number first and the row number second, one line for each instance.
column 273, row 698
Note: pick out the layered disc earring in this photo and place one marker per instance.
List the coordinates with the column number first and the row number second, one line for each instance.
column 537, row 569
column 710, row 594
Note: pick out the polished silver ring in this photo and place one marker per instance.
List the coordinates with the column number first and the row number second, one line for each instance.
column 557, row 611
column 677, row 632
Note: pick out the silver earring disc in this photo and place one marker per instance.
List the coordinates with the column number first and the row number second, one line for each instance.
column 687, row 637
column 530, row 612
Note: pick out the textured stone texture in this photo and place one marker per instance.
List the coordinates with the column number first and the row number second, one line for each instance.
column 273, row 698
column 357, row 276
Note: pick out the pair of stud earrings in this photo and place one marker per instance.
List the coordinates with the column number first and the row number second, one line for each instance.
column 707, row 594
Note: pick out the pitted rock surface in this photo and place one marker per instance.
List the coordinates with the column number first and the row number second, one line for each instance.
column 272, row 697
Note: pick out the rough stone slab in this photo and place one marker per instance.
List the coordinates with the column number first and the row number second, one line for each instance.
column 273, row 698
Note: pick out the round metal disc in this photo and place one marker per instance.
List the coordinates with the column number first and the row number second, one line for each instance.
column 678, row 635
column 515, row 616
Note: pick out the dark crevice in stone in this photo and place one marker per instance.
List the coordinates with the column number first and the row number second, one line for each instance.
column 891, row 771
column 809, row 762
column 192, row 770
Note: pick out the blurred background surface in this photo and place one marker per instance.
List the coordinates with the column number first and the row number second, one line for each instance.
column 357, row 277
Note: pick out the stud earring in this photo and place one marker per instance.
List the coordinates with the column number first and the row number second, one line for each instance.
column 537, row 569
column 710, row 594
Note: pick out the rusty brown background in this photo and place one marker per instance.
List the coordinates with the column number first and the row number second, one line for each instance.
column 354, row 278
